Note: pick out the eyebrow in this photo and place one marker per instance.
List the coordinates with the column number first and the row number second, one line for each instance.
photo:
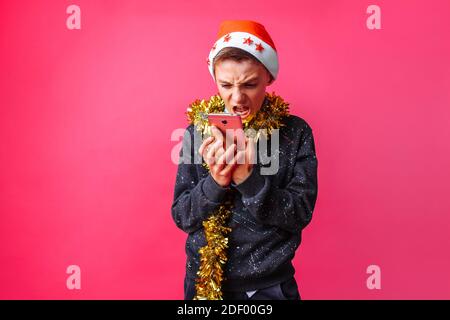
column 249, row 80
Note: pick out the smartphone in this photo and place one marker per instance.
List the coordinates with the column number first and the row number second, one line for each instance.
column 230, row 126
column 225, row 121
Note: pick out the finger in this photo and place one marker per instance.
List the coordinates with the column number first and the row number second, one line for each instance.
column 241, row 145
column 226, row 158
column 206, row 154
column 229, row 167
column 216, row 133
column 220, row 151
column 209, row 154
column 230, row 136
column 213, row 149
column 205, row 143
column 241, row 139
column 240, row 157
column 210, row 160
column 227, row 145
column 251, row 151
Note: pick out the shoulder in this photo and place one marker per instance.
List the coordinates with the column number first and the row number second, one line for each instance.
column 295, row 125
column 298, row 134
column 190, row 128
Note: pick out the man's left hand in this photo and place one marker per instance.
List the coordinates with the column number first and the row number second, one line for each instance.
column 246, row 157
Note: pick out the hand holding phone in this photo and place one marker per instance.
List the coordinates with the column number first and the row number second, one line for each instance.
column 220, row 161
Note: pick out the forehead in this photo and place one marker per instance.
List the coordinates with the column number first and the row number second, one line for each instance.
column 227, row 70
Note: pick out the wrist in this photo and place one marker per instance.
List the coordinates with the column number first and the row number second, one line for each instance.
column 251, row 186
column 221, row 183
column 212, row 190
column 239, row 180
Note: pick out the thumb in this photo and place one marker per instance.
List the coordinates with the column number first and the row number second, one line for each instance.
column 251, row 151
column 216, row 133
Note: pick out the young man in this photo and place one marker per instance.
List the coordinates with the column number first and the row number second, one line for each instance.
column 266, row 210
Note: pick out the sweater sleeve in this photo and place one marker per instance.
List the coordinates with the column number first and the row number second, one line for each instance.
column 289, row 208
column 194, row 198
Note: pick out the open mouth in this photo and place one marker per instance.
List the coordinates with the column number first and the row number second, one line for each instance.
column 241, row 111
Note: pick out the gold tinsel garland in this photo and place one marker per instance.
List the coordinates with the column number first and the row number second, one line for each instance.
column 213, row 256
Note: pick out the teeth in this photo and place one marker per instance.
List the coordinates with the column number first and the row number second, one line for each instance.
column 241, row 110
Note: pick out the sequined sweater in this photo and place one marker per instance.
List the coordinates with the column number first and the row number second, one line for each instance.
column 269, row 211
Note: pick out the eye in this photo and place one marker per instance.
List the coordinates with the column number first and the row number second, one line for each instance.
column 226, row 86
column 250, row 85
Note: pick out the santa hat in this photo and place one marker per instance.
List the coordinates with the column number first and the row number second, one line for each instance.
column 249, row 36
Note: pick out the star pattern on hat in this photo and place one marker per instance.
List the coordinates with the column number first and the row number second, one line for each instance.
column 259, row 47
column 248, row 41
column 249, row 36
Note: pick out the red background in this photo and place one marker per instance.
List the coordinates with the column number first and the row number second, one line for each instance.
column 86, row 117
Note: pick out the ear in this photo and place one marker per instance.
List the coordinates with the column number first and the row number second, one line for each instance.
column 271, row 79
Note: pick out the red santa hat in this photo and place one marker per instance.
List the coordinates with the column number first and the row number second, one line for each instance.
column 249, row 36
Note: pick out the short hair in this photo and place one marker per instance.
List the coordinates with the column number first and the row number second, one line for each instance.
column 236, row 54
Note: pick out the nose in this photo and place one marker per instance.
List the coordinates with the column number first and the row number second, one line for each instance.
column 238, row 96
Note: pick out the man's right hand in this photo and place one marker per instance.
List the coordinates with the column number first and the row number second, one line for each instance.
column 221, row 163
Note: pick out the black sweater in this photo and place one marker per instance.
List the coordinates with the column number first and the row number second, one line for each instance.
column 269, row 211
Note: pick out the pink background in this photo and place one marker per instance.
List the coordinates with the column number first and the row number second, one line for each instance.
column 86, row 117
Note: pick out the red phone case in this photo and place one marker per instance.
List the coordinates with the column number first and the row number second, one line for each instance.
column 225, row 121
column 231, row 122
